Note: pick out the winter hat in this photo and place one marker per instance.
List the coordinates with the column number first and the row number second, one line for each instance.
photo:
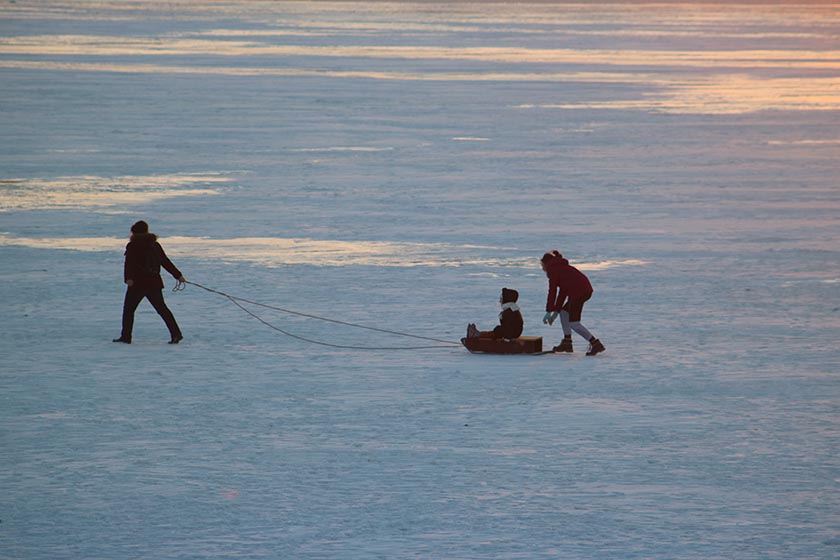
column 140, row 227
column 509, row 296
column 548, row 257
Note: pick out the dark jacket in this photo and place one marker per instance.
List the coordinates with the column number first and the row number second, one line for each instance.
column 564, row 281
column 143, row 258
column 511, row 323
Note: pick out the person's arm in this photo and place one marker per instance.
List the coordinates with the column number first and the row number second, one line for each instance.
column 167, row 264
column 504, row 319
column 551, row 302
column 128, row 272
column 126, row 276
column 561, row 299
column 552, row 295
column 506, row 323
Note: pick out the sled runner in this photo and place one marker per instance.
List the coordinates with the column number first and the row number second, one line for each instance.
column 521, row 345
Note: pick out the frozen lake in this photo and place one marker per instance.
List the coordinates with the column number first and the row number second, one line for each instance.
column 395, row 165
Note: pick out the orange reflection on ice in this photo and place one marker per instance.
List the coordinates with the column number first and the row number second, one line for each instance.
column 91, row 45
column 728, row 94
column 280, row 251
column 102, row 193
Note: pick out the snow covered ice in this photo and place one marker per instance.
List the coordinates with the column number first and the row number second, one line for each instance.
column 396, row 165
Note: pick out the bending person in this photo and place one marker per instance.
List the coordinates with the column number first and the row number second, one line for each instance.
column 565, row 281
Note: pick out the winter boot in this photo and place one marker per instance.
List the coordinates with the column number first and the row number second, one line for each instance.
column 564, row 346
column 595, row 347
column 472, row 331
column 123, row 340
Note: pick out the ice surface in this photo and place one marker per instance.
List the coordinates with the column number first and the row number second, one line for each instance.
column 395, row 165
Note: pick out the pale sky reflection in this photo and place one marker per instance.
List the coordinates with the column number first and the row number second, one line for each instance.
column 716, row 94
column 679, row 81
column 597, row 77
column 403, row 28
column 278, row 251
column 94, row 45
column 726, row 95
column 101, row 192
column 326, row 13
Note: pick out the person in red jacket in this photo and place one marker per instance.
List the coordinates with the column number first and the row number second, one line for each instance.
column 568, row 290
column 143, row 258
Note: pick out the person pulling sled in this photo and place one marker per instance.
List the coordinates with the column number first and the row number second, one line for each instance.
column 143, row 259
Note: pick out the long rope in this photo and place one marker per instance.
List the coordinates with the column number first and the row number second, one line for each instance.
column 236, row 301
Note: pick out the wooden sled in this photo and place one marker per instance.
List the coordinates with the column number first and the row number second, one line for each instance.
column 521, row 345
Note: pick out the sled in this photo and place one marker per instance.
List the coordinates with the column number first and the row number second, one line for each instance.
column 521, row 345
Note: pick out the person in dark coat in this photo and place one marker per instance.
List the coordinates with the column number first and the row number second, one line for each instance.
column 510, row 319
column 568, row 290
column 143, row 258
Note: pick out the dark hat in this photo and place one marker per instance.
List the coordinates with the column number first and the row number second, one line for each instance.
column 140, row 227
column 509, row 296
column 555, row 254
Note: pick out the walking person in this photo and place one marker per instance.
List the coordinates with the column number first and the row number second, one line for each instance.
column 143, row 258
column 565, row 281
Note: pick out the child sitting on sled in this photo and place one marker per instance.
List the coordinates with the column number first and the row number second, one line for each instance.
column 510, row 319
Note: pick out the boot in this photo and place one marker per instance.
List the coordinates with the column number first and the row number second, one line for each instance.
column 123, row 340
column 472, row 331
column 595, row 347
column 176, row 339
column 564, row 346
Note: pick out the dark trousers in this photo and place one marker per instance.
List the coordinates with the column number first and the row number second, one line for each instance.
column 574, row 307
column 133, row 297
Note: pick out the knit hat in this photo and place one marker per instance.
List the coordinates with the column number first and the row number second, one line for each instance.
column 509, row 296
column 140, row 227
column 548, row 257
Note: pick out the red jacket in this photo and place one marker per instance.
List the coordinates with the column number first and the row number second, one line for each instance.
column 143, row 258
column 564, row 281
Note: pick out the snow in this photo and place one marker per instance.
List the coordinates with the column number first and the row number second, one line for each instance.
column 395, row 165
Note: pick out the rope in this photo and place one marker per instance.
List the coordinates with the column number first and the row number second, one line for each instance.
column 236, row 301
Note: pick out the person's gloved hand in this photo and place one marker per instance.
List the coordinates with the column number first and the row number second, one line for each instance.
column 549, row 317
